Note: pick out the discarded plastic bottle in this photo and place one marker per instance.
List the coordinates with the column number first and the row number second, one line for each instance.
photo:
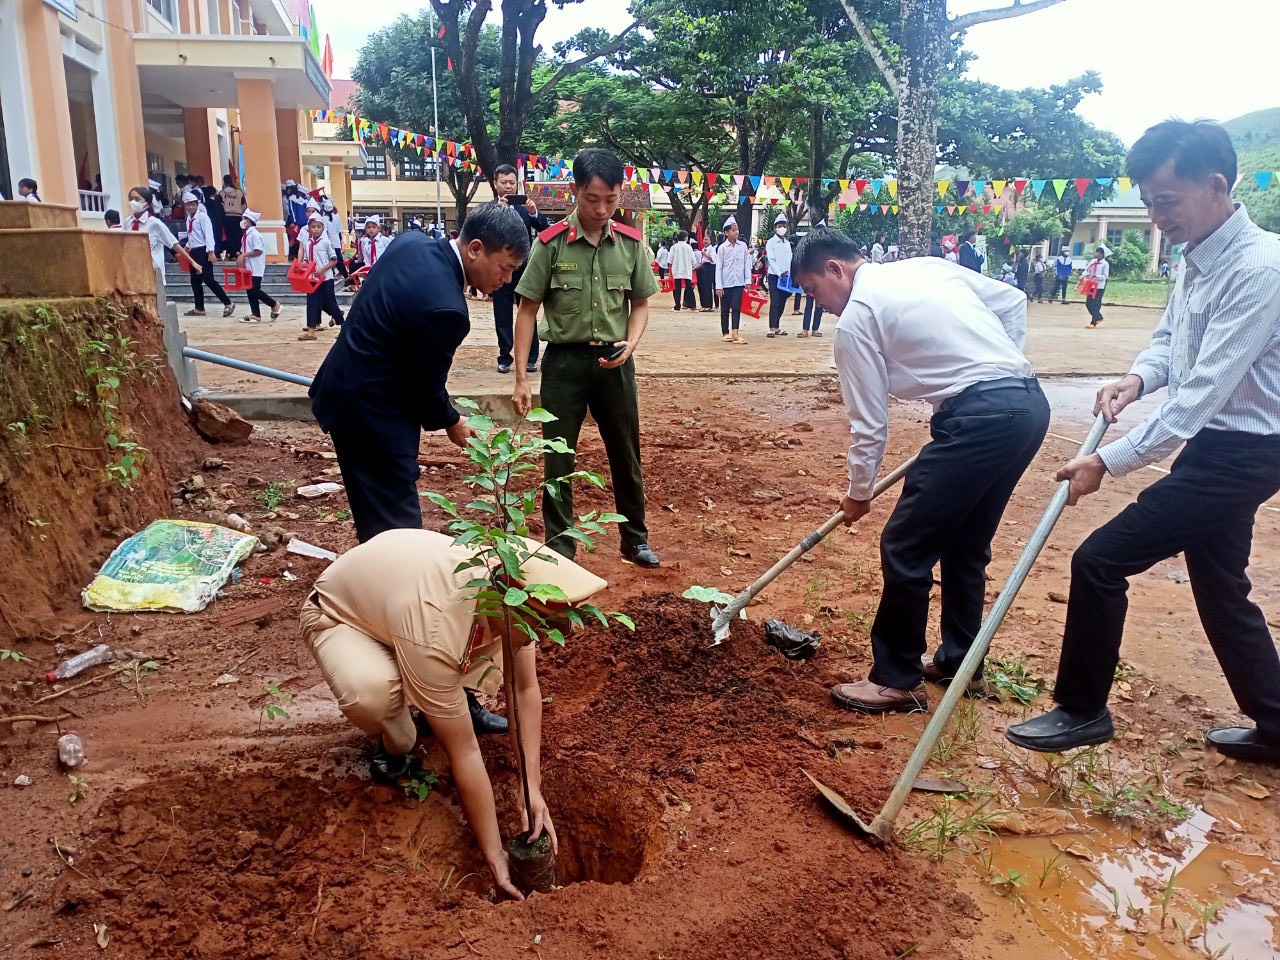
column 80, row 662
column 71, row 750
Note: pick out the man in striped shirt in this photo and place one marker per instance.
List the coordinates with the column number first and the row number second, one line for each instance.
column 1217, row 349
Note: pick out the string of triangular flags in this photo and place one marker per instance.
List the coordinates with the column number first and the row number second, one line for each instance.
column 868, row 193
column 456, row 152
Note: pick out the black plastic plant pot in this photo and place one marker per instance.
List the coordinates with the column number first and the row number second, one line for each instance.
column 533, row 865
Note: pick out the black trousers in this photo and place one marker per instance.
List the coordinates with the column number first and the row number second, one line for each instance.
column 378, row 456
column 730, row 306
column 777, row 302
column 811, row 309
column 1204, row 509
column 952, row 500
column 1038, row 281
column 201, row 280
column 1060, row 284
column 682, row 292
column 707, row 287
column 231, row 237
column 1093, row 303
column 323, row 299
column 573, row 385
column 504, row 321
column 257, row 298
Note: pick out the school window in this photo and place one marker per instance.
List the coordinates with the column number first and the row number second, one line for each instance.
column 1114, row 237
column 417, row 169
column 163, row 8
column 1077, row 249
column 1146, row 237
column 375, row 167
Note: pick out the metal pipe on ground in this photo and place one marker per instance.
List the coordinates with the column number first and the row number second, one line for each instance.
column 246, row 366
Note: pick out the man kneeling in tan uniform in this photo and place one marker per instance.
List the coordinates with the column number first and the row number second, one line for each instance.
column 393, row 626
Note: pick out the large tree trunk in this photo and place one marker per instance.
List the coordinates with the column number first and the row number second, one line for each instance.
column 926, row 34
column 819, row 200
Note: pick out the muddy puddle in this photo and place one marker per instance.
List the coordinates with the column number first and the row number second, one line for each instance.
column 1105, row 893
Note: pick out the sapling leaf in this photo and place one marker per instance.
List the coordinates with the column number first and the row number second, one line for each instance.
column 466, row 403
column 480, row 423
column 514, row 597
column 611, row 518
column 539, row 415
column 547, row 593
column 707, row 595
column 574, row 616
column 443, row 502
column 484, row 505
column 623, row 619
column 556, row 636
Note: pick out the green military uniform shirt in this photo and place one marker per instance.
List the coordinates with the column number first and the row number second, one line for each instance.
column 585, row 290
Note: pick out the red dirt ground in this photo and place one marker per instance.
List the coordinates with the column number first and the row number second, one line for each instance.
column 673, row 771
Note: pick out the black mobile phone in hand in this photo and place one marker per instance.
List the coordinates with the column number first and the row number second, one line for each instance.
column 617, row 354
column 517, row 200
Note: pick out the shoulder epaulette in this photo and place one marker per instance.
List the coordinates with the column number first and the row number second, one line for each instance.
column 626, row 231
column 553, row 231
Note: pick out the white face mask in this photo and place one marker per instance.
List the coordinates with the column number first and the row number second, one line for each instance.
column 137, row 206
column 245, row 224
column 780, row 231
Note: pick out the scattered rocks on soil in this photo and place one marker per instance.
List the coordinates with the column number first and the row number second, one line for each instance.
column 218, row 423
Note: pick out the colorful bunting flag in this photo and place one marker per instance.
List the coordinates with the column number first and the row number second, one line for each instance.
column 1037, row 187
column 1059, row 185
column 1082, row 184
column 1263, row 178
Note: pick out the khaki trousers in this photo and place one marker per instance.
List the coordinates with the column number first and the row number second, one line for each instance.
column 364, row 678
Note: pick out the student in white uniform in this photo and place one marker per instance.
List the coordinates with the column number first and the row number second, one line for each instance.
column 374, row 243
column 253, row 257
column 142, row 218
column 27, row 190
column 316, row 251
column 200, row 243
column 333, row 231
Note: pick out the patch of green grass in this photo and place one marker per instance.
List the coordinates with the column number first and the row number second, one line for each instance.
column 1012, row 679
column 1138, row 293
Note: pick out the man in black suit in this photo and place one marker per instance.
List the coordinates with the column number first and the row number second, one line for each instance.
column 384, row 379
column 505, row 184
column 969, row 255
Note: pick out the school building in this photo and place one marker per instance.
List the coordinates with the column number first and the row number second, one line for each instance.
column 99, row 96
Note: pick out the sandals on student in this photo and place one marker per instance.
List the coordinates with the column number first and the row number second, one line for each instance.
column 727, row 338
column 781, row 332
column 194, row 313
column 250, row 319
column 770, row 334
column 738, row 340
column 275, row 314
column 228, row 310
column 817, row 333
column 309, row 335
column 802, row 334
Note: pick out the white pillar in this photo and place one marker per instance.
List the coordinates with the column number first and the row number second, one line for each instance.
column 107, row 125
column 14, row 79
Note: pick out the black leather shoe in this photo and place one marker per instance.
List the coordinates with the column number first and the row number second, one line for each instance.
column 386, row 768
column 1061, row 729
column 641, row 556
column 1243, row 744
column 484, row 721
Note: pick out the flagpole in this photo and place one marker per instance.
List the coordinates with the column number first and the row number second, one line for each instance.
column 435, row 111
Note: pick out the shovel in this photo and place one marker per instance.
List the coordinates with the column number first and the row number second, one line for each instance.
column 720, row 619
column 882, row 825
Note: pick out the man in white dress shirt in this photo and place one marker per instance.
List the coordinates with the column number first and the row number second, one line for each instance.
column 200, row 243
column 926, row 329
column 1217, row 349
column 777, row 250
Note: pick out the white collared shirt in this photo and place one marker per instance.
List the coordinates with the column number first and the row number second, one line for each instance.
column 199, row 229
column 1099, row 270
column 158, row 234
column 251, row 242
column 1217, row 348
column 457, row 252
column 733, row 265
column 317, row 251
column 920, row 329
column 371, row 251
column 778, row 250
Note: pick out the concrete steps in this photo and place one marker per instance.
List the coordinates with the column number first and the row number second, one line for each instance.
column 275, row 283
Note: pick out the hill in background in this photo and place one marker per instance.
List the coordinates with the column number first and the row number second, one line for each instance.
column 1257, row 140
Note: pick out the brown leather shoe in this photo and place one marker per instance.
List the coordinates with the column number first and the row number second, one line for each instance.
column 864, row 696
column 976, row 689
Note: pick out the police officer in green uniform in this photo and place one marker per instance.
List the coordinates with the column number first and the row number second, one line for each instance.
column 591, row 275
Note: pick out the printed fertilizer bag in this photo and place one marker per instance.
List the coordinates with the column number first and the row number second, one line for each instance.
column 173, row 565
